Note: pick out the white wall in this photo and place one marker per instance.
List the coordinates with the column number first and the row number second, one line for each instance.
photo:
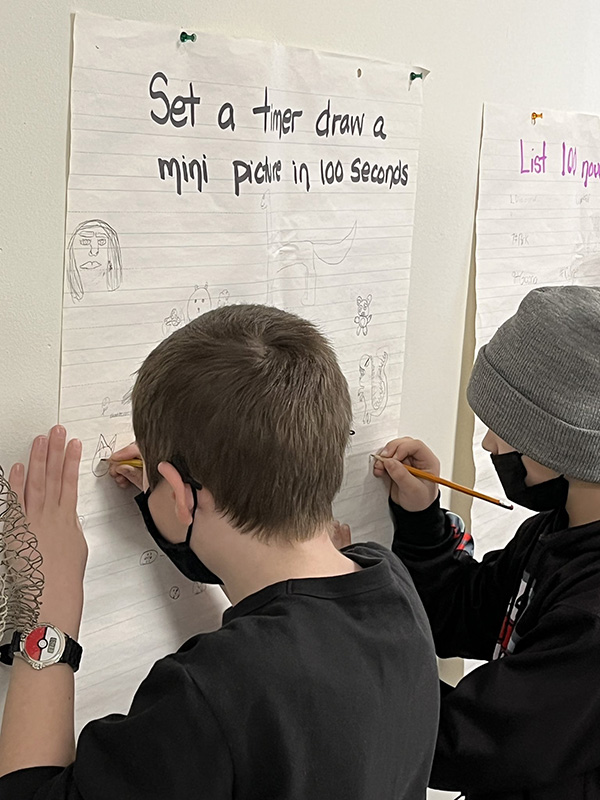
column 540, row 53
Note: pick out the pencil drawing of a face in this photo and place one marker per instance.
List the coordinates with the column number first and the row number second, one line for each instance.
column 91, row 252
column 94, row 259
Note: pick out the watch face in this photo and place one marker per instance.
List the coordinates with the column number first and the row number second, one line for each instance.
column 44, row 645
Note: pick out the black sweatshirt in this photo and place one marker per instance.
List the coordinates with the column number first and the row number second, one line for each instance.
column 313, row 689
column 526, row 725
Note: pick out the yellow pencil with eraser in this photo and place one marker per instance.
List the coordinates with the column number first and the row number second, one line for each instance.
column 420, row 473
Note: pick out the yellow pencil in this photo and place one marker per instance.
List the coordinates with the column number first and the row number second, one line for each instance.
column 419, row 473
column 128, row 462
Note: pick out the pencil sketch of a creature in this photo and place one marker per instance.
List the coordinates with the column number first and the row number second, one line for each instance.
column 362, row 319
column 104, row 450
column 93, row 259
column 174, row 321
column 298, row 258
column 224, row 298
column 199, row 303
column 373, row 385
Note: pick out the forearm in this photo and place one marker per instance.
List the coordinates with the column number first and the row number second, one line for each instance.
column 38, row 723
column 418, row 530
column 437, row 552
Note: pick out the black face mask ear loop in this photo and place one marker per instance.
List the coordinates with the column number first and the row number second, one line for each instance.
column 191, row 525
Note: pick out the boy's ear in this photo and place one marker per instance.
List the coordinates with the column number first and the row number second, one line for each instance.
column 182, row 492
column 113, row 442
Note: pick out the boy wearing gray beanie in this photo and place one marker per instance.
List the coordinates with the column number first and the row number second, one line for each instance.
column 526, row 725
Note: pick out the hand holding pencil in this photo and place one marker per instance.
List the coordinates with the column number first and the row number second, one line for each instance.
column 406, row 490
column 413, row 473
column 125, row 466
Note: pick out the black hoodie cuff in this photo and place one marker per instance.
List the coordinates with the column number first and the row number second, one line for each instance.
column 425, row 528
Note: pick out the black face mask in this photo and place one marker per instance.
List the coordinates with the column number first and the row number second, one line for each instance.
column 180, row 553
column 545, row 496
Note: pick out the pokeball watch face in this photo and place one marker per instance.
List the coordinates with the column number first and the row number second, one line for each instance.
column 43, row 645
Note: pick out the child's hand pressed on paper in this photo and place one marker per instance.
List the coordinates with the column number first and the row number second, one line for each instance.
column 124, row 474
column 413, row 494
column 48, row 496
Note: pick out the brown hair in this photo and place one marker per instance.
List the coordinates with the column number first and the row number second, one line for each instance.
column 253, row 401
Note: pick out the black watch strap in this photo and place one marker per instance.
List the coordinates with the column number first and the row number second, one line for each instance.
column 6, row 653
column 8, row 650
column 72, row 653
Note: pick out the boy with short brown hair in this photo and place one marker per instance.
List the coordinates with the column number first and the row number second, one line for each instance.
column 322, row 682
column 262, row 390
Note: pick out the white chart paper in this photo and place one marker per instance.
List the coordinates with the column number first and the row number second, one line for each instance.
column 538, row 224
column 204, row 173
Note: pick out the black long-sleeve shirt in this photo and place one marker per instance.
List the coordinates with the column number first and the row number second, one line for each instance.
column 526, row 725
column 313, row 689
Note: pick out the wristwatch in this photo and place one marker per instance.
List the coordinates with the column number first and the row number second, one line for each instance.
column 43, row 646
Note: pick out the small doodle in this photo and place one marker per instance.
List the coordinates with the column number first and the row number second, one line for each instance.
column 93, row 258
column 223, row 298
column 362, row 319
column 199, row 588
column 148, row 557
column 199, row 303
column 568, row 274
column 174, row 321
column 174, row 592
column 373, row 385
column 104, row 450
column 297, row 258
column 583, row 267
column 124, row 412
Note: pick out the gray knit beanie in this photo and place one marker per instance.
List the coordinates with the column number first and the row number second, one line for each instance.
column 536, row 384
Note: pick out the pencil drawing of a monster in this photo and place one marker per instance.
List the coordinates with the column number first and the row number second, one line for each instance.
column 373, row 385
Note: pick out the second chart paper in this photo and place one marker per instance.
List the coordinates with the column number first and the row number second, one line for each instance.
column 538, row 224
column 206, row 173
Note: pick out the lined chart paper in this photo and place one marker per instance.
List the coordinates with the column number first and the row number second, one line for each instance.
column 205, row 173
column 538, row 224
